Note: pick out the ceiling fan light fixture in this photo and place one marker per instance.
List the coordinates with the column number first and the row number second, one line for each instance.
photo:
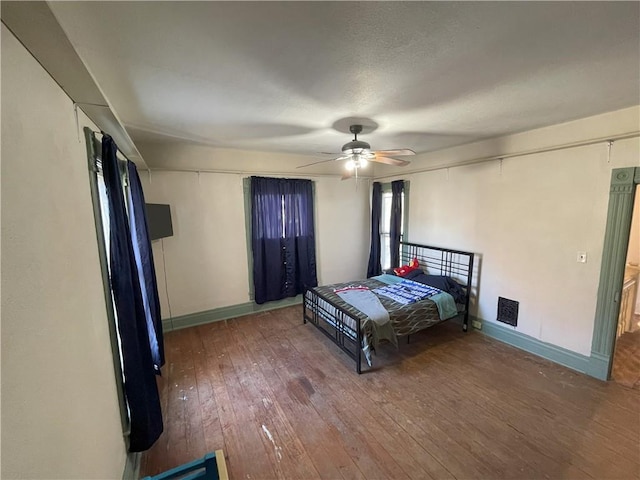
column 358, row 154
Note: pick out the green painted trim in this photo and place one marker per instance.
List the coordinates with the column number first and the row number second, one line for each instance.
column 246, row 188
column 224, row 313
column 556, row 354
column 132, row 466
column 93, row 152
column 599, row 366
column 614, row 254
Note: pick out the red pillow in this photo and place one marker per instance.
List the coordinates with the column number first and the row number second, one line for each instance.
column 404, row 269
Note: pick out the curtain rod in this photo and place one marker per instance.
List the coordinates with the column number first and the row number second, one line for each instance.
column 94, row 133
column 583, row 143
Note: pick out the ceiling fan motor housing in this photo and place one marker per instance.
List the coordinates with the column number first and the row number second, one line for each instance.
column 356, row 146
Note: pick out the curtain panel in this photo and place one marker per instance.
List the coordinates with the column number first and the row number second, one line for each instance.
column 374, row 268
column 282, row 237
column 395, row 228
column 139, row 373
column 146, row 268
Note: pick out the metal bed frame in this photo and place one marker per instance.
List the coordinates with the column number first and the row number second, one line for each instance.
column 334, row 323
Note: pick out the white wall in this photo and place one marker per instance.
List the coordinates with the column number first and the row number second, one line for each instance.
column 60, row 416
column 528, row 219
column 206, row 258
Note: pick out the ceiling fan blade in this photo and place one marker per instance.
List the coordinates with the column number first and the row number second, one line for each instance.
column 324, row 161
column 316, row 163
column 394, row 153
column 390, row 161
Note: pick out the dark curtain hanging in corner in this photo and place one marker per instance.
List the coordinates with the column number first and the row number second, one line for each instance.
column 395, row 228
column 140, row 386
column 282, row 238
column 146, row 269
column 374, row 268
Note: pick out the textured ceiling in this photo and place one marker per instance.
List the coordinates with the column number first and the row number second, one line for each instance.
column 288, row 76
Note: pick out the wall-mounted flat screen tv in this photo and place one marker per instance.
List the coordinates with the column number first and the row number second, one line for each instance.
column 159, row 220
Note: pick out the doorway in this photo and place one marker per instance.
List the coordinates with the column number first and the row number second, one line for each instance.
column 612, row 272
column 626, row 358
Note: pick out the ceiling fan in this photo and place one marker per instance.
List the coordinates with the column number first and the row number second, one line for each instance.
column 358, row 154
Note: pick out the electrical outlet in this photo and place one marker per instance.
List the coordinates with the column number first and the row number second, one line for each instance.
column 477, row 324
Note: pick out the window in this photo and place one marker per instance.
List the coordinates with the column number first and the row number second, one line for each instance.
column 101, row 216
column 130, row 289
column 385, row 219
column 281, row 223
column 103, row 202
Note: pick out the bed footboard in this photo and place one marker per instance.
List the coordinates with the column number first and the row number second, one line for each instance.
column 336, row 323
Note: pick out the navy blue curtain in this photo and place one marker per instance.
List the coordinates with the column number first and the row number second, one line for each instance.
column 395, row 227
column 282, row 238
column 146, row 269
column 140, row 386
column 374, row 268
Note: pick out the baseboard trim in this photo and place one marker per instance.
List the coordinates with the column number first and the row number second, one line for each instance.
column 132, row 466
column 562, row 356
column 599, row 366
column 224, row 313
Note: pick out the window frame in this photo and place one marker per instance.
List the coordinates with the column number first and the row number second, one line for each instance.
column 386, row 232
column 246, row 187
column 94, row 148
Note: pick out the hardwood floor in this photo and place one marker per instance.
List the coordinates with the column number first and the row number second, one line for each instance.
column 626, row 359
column 284, row 402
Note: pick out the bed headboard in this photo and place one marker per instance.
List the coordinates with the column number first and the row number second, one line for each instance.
column 441, row 261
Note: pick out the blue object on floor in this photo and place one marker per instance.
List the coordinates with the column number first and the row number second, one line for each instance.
column 210, row 467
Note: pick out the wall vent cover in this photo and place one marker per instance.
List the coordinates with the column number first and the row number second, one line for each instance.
column 508, row 311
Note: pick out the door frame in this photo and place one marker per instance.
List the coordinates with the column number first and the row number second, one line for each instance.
column 614, row 257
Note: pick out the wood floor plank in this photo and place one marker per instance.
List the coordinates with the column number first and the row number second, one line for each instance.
column 366, row 452
column 328, row 458
column 565, row 387
column 239, row 413
column 289, row 456
column 412, row 458
column 153, row 461
column 437, row 442
column 448, row 405
column 471, row 406
column 211, row 426
column 530, row 416
column 540, row 410
column 423, row 428
column 214, row 348
column 171, row 446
